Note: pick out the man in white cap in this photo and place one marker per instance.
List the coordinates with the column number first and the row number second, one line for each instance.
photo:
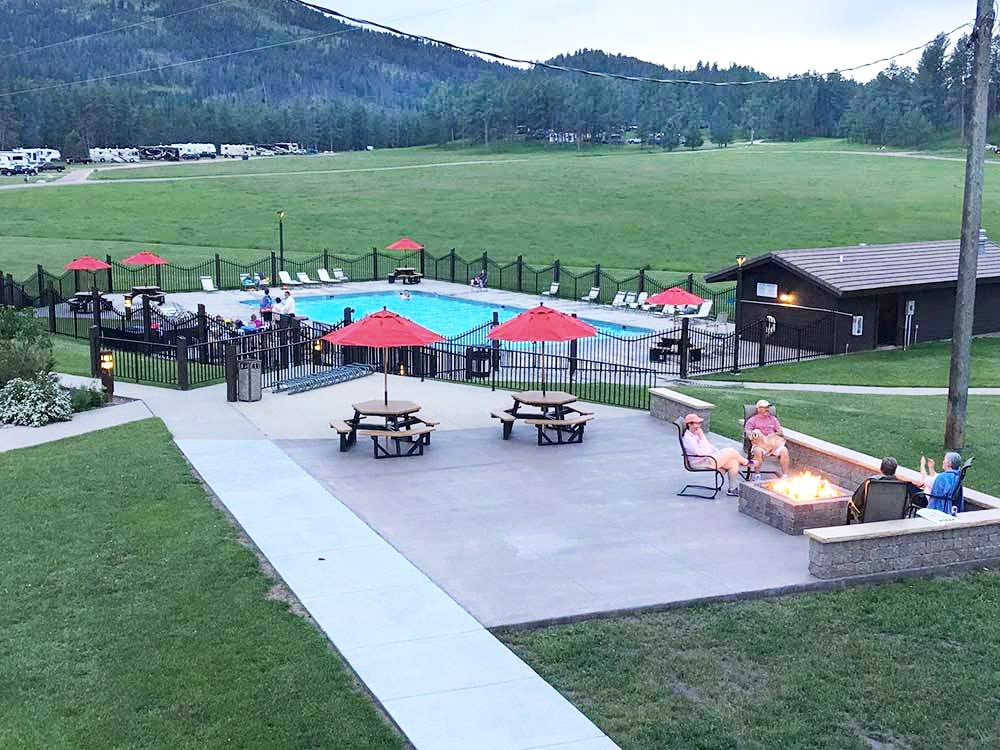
column 767, row 424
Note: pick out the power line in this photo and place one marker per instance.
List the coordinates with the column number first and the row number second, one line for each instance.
column 210, row 58
column 112, row 31
column 601, row 74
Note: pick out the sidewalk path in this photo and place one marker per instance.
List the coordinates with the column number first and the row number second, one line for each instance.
column 445, row 680
column 84, row 422
column 874, row 390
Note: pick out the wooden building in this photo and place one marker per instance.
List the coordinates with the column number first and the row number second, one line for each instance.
column 880, row 295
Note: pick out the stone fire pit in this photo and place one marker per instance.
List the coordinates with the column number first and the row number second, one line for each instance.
column 811, row 502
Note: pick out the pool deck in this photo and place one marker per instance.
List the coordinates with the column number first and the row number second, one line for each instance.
column 229, row 303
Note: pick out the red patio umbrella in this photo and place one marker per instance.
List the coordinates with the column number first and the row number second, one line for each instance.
column 676, row 297
column 383, row 330
column 405, row 243
column 145, row 258
column 542, row 324
column 87, row 263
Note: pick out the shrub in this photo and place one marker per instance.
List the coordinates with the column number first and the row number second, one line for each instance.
column 25, row 346
column 35, row 402
column 86, row 398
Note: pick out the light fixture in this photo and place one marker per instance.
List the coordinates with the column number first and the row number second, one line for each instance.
column 106, row 365
column 128, row 303
column 787, row 298
column 318, row 345
column 107, row 360
column 740, row 260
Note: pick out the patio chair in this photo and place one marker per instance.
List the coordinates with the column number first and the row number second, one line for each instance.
column 287, row 280
column 208, row 284
column 882, row 500
column 748, row 411
column 629, row 299
column 339, row 276
column 553, row 290
column 719, row 478
column 640, row 300
column 956, row 498
column 619, row 300
column 592, row 295
column 304, row 279
column 248, row 281
column 324, row 277
column 721, row 320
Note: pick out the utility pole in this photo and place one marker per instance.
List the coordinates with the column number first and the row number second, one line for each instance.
column 965, row 296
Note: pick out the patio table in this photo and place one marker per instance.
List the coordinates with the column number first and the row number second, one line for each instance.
column 556, row 414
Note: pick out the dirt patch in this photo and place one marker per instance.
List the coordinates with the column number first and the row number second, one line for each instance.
column 682, row 690
column 876, row 739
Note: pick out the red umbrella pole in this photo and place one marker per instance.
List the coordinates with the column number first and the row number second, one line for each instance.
column 385, row 375
column 543, row 368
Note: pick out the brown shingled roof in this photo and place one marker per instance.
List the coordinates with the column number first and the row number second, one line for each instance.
column 848, row 270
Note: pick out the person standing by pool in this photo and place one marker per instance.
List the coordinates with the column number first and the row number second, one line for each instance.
column 288, row 306
column 266, row 307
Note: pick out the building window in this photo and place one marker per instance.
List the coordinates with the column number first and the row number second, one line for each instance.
column 858, row 325
column 767, row 290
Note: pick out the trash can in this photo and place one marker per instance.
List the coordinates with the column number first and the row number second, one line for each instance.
column 248, row 380
column 477, row 362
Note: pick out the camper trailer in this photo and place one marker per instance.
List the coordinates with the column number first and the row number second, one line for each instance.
column 237, row 150
column 114, row 155
column 39, row 155
column 160, row 153
column 14, row 163
column 287, row 148
column 195, row 150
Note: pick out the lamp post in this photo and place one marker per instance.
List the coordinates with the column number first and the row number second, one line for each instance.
column 281, row 240
column 740, row 261
column 106, row 361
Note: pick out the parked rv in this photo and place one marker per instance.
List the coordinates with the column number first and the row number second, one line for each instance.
column 39, row 155
column 237, row 150
column 160, row 153
column 15, row 163
column 114, row 155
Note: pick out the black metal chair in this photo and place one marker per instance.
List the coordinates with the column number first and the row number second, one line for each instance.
column 748, row 411
column 881, row 500
column 719, row 476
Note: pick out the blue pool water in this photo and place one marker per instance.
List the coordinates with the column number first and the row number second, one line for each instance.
column 448, row 316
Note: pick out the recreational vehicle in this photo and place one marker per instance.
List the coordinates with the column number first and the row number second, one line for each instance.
column 237, row 150
column 160, row 153
column 114, row 155
column 39, row 155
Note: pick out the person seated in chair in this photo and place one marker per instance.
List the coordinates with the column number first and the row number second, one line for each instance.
column 478, row 281
column 764, row 430
column 700, row 452
column 945, row 484
column 887, row 474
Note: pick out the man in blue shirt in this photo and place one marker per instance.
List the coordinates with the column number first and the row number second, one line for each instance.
column 944, row 486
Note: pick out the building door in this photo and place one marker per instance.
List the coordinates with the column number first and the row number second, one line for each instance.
column 888, row 320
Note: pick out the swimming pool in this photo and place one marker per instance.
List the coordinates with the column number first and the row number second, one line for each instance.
column 448, row 316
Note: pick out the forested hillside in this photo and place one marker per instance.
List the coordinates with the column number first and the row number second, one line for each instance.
column 341, row 87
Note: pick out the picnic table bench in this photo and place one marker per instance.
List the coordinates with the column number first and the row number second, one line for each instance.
column 556, row 418
column 399, row 424
column 409, row 441
column 405, row 275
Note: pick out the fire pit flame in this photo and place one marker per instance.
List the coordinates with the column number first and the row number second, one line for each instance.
column 804, row 487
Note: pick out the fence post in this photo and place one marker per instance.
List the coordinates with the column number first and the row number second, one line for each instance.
column 282, row 342
column 736, row 348
column 690, row 282
column 274, row 269
column 572, row 356
column 183, row 383
column 147, row 322
column 326, row 259
column 452, row 261
column 95, row 303
column 229, row 357
column 40, row 275
column 111, row 276
column 422, row 262
column 520, row 271
column 374, row 264
column 642, row 279
column 555, row 271
column 798, row 346
column 761, row 342
column 218, row 271
column 52, row 308
column 685, row 346
column 3, row 288
column 295, row 340
column 597, row 274
column 495, row 354
column 203, row 334
column 10, row 289
column 95, row 351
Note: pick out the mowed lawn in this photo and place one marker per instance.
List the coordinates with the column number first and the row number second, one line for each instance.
column 131, row 616
column 921, row 365
column 682, row 211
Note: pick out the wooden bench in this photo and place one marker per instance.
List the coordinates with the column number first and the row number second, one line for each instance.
column 506, row 422
column 415, row 439
column 570, row 428
column 346, row 432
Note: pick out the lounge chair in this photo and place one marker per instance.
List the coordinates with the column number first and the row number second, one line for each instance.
column 719, row 480
column 304, row 279
column 287, row 280
column 592, row 295
column 553, row 290
column 629, row 299
column 339, row 276
column 721, row 320
column 882, row 500
column 208, row 284
column 324, row 277
column 748, row 411
column 619, row 300
column 640, row 300
column 248, row 281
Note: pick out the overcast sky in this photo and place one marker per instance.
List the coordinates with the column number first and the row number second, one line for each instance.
column 777, row 37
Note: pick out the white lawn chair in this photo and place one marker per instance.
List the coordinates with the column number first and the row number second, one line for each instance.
column 553, row 290
column 208, row 284
column 287, row 280
column 324, row 277
column 339, row 276
column 629, row 299
column 304, row 279
column 639, row 301
column 592, row 295
column 619, row 300
column 721, row 320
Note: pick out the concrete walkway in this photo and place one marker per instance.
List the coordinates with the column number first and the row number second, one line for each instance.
column 446, row 681
column 12, row 438
column 874, row 390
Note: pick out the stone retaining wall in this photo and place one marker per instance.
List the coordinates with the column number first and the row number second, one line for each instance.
column 669, row 405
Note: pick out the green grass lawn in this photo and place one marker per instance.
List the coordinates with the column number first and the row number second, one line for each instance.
column 921, row 365
column 900, row 426
column 678, row 211
column 906, row 665
column 72, row 355
column 131, row 616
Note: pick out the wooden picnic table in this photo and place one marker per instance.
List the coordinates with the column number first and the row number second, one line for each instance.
column 395, row 421
column 556, row 416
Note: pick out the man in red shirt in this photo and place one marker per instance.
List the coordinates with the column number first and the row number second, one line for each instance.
column 768, row 424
